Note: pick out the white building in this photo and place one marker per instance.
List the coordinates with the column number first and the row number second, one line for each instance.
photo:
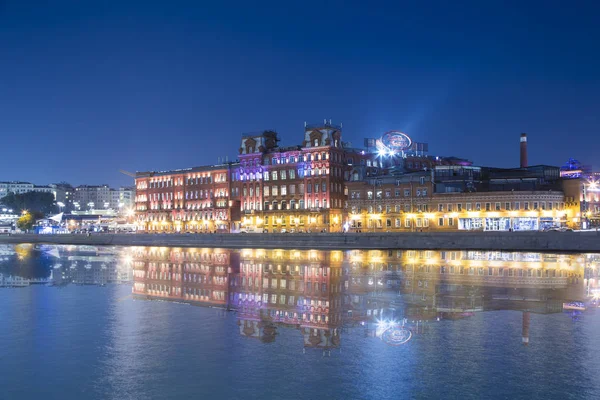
column 103, row 197
column 17, row 187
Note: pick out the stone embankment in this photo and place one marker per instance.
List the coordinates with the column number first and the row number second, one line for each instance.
column 509, row 241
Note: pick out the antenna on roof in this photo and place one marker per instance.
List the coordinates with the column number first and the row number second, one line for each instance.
column 305, row 124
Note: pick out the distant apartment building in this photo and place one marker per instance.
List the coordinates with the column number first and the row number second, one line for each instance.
column 15, row 187
column 61, row 192
column 102, row 197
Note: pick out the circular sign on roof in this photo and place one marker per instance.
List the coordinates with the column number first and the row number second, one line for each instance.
column 396, row 140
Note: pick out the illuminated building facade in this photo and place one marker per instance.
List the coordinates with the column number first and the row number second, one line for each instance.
column 191, row 200
column 582, row 196
column 298, row 188
column 451, row 198
column 390, row 203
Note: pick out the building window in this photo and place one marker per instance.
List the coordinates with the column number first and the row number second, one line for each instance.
column 526, row 205
column 507, row 206
column 283, row 175
column 406, row 192
column 477, row 206
column 283, row 190
column 536, row 205
column 450, row 221
column 517, row 205
column 488, row 206
column 397, row 193
column 407, row 223
column 407, row 208
column 459, row 207
column 441, row 221
column 497, row 206
column 440, row 207
column 397, row 208
column 274, row 175
column 266, row 175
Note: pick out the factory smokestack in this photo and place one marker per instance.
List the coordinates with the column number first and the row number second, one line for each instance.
column 523, row 150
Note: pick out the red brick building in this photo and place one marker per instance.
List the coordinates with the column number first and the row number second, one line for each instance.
column 188, row 200
column 296, row 188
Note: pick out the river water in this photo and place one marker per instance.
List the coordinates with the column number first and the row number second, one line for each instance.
column 81, row 322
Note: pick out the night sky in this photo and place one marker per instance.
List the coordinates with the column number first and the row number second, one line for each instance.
column 91, row 87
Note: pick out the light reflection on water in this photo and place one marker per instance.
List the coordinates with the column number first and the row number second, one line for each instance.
column 296, row 324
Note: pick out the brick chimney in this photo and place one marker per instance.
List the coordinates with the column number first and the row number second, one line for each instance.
column 523, row 150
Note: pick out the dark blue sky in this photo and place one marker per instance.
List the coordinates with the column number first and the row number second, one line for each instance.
column 88, row 88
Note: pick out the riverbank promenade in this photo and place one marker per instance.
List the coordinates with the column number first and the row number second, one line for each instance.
column 506, row 241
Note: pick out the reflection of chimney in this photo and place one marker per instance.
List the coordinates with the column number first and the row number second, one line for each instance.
column 525, row 332
column 523, row 150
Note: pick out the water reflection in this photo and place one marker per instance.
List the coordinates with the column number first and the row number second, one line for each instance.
column 28, row 264
column 391, row 295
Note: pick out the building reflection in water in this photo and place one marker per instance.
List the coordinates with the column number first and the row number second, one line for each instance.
column 23, row 265
column 322, row 293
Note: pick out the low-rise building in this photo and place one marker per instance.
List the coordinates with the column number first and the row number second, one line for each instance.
column 459, row 198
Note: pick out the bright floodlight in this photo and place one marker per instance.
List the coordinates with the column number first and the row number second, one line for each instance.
column 392, row 153
column 381, row 153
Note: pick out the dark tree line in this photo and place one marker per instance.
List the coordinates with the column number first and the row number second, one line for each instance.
column 30, row 201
